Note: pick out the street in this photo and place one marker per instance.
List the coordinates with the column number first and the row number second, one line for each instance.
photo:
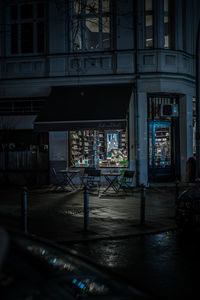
column 166, row 264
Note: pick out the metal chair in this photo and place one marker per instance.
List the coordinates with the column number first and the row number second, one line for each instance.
column 85, row 176
column 58, row 181
column 126, row 182
column 93, row 178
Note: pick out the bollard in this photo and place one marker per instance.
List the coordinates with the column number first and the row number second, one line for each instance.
column 86, row 208
column 142, row 204
column 24, row 207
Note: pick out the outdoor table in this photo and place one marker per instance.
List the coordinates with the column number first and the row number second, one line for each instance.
column 69, row 174
column 112, row 179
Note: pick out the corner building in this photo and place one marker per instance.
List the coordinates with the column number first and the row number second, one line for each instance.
column 103, row 83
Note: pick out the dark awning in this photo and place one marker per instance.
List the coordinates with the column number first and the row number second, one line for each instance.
column 85, row 107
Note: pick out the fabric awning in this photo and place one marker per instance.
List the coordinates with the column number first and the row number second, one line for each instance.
column 85, row 107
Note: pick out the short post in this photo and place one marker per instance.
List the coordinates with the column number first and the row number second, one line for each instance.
column 24, row 207
column 86, row 208
column 142, row 204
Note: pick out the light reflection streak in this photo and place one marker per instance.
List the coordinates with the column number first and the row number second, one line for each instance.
column 90, row 286
column 53, row 260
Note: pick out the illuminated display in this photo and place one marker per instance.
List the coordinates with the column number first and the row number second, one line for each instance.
column 94, row 148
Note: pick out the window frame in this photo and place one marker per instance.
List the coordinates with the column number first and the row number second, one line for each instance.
column 148, row 13
column 34, row 21
column 169, row 14
column 83, row 17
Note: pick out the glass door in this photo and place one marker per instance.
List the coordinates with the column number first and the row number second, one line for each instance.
column 160, row 150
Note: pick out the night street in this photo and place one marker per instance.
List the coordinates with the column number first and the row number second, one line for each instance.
column 166, row 264
column 99, row 149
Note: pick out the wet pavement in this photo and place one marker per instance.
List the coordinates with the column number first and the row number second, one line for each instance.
column 166, row 264
column 154, row 256
column 59, row 216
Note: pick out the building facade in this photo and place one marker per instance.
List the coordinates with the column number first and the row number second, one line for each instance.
column 90, row 73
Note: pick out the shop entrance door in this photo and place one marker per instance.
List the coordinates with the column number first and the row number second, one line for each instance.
column 160, row 151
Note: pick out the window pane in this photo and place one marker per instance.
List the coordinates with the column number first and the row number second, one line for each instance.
column 166, row 41
column 148, row 5
column 149, row 43
column 105, row 5
column 14, row 38
column 166, row 19
column 40, row 10
column 26, row 11
column 27, row 38
column 149, row 31
column 149, row 21
column 91, row 6
column 77, row 6
column 166, row 5
column 40, row 37
column 76, row 38
column 92, row 33
column 14, row 13
column 106, row 32
column 166, row 25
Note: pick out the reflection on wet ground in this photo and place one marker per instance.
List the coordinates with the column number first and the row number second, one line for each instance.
column 167, row 264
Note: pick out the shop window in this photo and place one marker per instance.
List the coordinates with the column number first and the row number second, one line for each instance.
column 90, row 23
column 93, row 148
column 168, row 12
column 27, row 28
column 148, row 21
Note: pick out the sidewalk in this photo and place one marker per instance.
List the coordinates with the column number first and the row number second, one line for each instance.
column 59, row 216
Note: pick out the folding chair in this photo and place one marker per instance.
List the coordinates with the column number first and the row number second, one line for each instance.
column 58, row 181
column 93, row 178
column 85, row 176
column 126, row 182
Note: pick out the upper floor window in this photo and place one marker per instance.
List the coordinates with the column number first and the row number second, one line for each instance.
column 184, row 22
column 91, row 24
column 148, row 15
column 27, row 28
column 168, row 37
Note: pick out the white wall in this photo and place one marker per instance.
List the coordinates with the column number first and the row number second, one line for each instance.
column 58, row 146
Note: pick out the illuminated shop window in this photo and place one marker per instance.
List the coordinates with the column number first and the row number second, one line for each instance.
column 90, row 24
column 93, row 148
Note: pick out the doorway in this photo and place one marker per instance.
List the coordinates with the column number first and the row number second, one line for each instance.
column 160, row 150
column 163, row 139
